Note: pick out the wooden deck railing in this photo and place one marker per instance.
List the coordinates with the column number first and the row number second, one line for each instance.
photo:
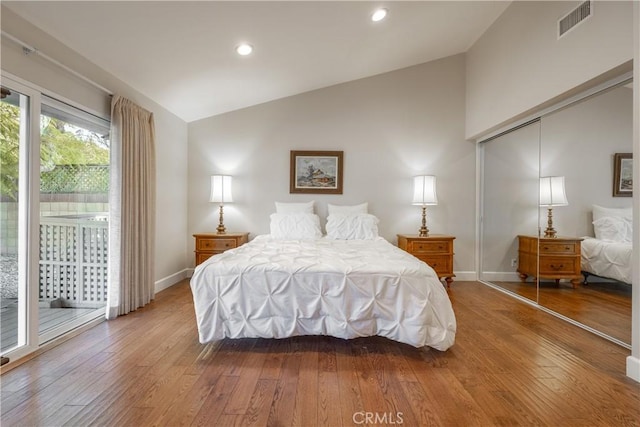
column 73, row 261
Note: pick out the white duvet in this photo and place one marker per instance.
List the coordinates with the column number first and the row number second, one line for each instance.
column 343, row 288
column 607, row 259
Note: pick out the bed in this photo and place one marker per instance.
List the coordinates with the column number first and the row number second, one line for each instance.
column 609, row 253
column 607, row 259
column 275, row 287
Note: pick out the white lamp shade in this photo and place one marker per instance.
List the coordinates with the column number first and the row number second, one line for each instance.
column 424, row 190
column 221, row 189
column 552, row 191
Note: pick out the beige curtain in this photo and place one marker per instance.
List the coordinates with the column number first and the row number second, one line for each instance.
column 132, row 208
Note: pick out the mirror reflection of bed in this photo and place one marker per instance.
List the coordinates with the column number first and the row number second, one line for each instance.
column 578, row 142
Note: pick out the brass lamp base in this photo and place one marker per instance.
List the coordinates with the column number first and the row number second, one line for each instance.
column 550, row 232
column 424, row 231
column 221, row 228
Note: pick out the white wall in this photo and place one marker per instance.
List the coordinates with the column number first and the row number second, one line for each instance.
column 391, row 127
column 171, row 132
column 519, row 64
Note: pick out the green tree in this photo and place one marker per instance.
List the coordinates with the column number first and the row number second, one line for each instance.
column 9, row 149
column 61, row 144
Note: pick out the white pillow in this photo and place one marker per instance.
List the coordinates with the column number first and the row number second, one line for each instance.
column 283, row 208
column 623, row 231
column 299, row 226
column 352, row 227
column 600, row 212
column 362, row 208
column 612, row 228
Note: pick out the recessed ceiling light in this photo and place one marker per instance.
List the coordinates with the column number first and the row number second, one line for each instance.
column 244, row 49
column 379, row 15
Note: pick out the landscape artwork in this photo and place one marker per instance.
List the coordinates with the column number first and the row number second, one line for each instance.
column 316, row 172
column 622, row 175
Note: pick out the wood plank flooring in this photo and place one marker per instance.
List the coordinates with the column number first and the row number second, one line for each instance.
column 511, row 365
column 603, row 306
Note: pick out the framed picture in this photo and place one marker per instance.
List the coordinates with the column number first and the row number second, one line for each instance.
column 318, row 172
column 622, row 175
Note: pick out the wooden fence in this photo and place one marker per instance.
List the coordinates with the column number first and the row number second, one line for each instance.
column 73, row 261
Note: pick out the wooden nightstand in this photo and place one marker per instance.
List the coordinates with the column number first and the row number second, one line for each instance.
column 436, row 250
column 208, row 244
column 559, row 258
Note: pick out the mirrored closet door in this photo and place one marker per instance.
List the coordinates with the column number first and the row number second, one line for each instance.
column 581, row 144
column 556, row 208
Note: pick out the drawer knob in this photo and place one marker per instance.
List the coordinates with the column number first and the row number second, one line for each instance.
column 554, row 267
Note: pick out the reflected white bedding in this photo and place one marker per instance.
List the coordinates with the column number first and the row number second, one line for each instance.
column 607, row 259
column 343, row 288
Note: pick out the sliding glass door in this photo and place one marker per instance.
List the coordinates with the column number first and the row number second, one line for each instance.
column 54, row 206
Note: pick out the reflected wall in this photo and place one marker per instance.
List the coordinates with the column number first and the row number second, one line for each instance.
column 509, row 204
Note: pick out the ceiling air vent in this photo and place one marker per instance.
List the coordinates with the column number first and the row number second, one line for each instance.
column 575, row 17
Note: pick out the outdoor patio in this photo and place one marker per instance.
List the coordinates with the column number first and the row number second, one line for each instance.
column 49, row 318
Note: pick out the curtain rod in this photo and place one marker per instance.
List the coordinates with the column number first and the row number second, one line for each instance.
column 28, row 50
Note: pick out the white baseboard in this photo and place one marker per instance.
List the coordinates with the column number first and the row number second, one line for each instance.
column 633, row 368
column 164, row 283
column 465, row 276
column 500, row 276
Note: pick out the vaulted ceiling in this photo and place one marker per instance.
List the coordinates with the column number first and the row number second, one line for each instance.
column 182, row 54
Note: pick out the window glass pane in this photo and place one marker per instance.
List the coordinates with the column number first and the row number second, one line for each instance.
column 73, row 116
column 74, row 206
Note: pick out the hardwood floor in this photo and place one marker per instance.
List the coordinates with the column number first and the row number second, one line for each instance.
column 511, row 365
column 603, row 306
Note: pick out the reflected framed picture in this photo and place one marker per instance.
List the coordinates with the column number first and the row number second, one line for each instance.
column 316, row 172
column 622, row 175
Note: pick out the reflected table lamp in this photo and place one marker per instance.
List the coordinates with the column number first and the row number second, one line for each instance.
column 424, row 194
column 221, row 193
column 552, row 194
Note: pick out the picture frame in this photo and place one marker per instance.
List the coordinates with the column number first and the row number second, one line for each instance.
column 622, row 175
column 316, row 172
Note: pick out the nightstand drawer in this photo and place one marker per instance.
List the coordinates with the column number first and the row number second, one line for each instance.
column 441, row 264
column 202, row 257
column 205, row 244
column 550, row 265
column 559, row 248
column 430, row 247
